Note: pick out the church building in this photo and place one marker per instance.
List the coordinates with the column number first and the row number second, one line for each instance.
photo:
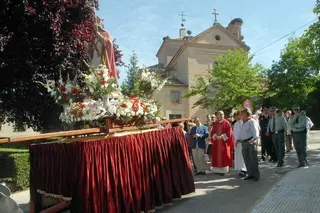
column 184, row 58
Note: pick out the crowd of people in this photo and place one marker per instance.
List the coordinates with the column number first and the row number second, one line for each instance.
column 234, row 143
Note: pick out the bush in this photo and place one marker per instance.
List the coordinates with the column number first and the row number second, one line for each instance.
column 15, row 165
column 21, row 170
column 14, row 168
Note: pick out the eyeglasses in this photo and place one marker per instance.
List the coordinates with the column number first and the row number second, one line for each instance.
column 296, row 109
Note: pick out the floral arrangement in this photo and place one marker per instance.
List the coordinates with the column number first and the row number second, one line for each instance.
column 149, row 82
column 99, row 83
column 63, row 92
column 88, row 110
column 98, row 89
column 131, row 110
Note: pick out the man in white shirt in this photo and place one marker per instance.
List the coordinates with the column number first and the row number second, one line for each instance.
column 248, row 137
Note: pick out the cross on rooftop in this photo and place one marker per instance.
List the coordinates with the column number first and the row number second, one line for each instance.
column 182, row 18
column 215, row 13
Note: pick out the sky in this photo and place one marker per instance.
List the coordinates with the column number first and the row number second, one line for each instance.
column 140, row 25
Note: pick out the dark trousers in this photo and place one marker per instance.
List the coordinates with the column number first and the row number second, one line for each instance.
column 264, row 152
column 300, row 144
column 279, row 145
column 267, row 147
column 264, row 145
column 250, row 156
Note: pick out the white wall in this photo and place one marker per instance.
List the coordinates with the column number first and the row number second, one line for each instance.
column 7, row 130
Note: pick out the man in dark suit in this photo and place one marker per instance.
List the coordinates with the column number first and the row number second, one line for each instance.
column 198, row 135
column 266, row 139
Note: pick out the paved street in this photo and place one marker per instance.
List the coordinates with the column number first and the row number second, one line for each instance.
column 216, row 194
column 228, row 194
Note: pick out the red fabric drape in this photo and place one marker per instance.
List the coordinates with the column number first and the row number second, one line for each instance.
column 130, row 173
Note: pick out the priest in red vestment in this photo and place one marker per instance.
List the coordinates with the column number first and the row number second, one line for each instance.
column 222, row 145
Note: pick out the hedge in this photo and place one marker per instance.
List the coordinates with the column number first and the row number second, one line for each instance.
column 15, row 167
column 22, row 169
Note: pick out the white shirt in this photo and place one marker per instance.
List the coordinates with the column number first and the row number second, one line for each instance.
column 249, row 129
column 309, row 123
column 237, row 129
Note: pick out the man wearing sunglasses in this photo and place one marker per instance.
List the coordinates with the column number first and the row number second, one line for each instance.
column 298, row 126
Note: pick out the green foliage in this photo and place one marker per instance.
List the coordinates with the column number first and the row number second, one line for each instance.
column 21, row 169
column 14, row 166
column 314, row 105
column 294, row 76
column 232, row 80
column 316, row 9
column 128, row 88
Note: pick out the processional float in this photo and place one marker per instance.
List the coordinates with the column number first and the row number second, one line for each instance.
column 160, row 168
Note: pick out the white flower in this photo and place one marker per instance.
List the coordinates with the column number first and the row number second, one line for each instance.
column 60, row 81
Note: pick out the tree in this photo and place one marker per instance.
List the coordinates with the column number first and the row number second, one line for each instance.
column 38, row 39
column 230, row 82
column 310, row 41
column 127, row 87
column 292, row 78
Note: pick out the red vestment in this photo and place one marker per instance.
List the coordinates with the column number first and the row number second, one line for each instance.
column 222, row 150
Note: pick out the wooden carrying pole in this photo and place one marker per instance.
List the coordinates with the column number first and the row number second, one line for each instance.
column 51, row 135
column 91, row 131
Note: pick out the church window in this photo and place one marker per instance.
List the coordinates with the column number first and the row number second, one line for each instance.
column 217, row 37
column 176, row 97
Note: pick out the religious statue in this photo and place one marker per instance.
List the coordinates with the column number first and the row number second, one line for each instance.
column 101, row 50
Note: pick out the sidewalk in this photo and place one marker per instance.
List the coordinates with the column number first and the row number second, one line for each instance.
column 22, row 198
column 298, row 191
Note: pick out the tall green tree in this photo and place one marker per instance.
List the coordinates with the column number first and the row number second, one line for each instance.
column 233, row 79
column 292, row 78
column 310, row 41
column 127, row 86
column 312, row 38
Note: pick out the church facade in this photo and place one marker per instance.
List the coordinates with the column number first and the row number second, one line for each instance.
column 182, row 59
